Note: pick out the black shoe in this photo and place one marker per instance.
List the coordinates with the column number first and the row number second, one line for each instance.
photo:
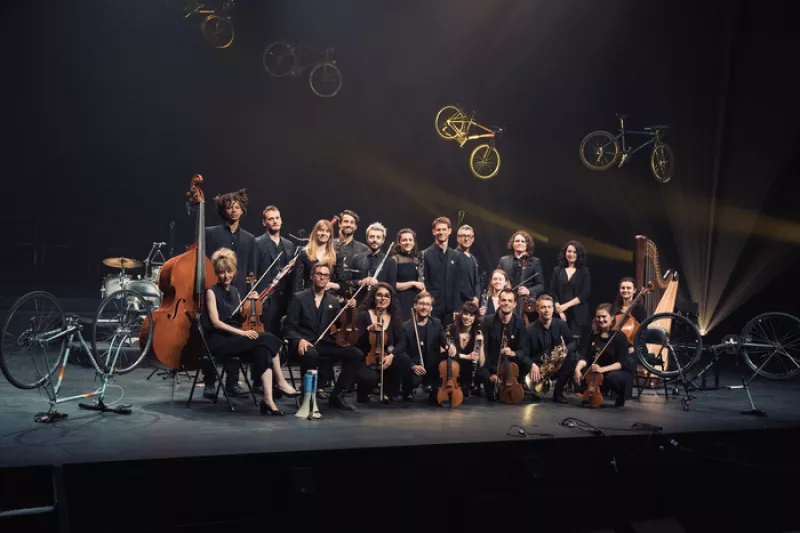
column 323, row 395
column 559, row 398
column 535, row 397
column 362, row 398
column 387, row 399
column 265, row 409
column 337, row 400
column 620, row 402
column 408, row 397
column 235, row 391
column 210, row 391
column 432, row 400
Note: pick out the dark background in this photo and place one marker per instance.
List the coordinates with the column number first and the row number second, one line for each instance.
column 112, row 107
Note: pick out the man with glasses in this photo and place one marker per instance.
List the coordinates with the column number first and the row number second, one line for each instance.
column 310, row 313
column 469, row 282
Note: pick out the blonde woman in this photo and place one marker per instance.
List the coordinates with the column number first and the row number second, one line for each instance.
column 318, row 250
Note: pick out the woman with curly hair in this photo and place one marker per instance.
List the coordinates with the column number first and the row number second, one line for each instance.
column 570, row 287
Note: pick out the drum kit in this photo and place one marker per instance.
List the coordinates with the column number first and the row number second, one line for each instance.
column 146, row 286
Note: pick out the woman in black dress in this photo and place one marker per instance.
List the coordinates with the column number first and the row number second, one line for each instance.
column 465, row 332
column 226, row 338
column 570, row 287
column 318, row 250
column 380, row 309
column 406, row 274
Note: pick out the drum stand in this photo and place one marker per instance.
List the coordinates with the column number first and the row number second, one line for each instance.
column 153, row 259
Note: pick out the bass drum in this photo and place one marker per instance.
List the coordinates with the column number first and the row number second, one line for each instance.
column 113, row 283
column 147, row 289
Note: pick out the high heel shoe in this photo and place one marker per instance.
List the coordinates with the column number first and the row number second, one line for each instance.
column 266, row 410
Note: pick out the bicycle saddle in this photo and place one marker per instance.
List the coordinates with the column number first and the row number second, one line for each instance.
column 498, row 130
column 654, row 128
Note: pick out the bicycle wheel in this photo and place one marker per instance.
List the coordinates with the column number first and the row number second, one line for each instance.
column 26, row 357
column 599, row 150
column 771, row 345
column 217, row 31
column 325, row 80
column 668, row 343
column 662, row 162
column 278, row 59
column 444, row 122
column 485, row 161
column 118, row 324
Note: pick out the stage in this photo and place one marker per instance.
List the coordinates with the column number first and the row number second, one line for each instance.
column 177, row 465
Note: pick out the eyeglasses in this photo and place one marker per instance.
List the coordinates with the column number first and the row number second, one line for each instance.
column 321, row 275
column 420, row 304
column 466, row 236
column 382, row 296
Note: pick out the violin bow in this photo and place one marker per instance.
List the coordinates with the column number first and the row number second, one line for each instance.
column 416, row 335
column 241, row 302
column 383, row 348
column 342, row 310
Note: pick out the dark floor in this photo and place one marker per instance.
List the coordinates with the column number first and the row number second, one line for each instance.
column 162, row 428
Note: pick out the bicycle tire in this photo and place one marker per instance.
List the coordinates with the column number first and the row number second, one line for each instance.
column 443, row 128
column 6, row 364
column 130, row 327
column 325, row 68
column 642, row 348
column 603, row 139
column 662, row 162
column 210, row 28
column 749, row 331
column 488, row 151
column 276, row 50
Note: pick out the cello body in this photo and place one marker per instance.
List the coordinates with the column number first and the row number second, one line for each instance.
column 183, row 281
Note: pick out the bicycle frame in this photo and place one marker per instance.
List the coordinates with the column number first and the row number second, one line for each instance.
column 656, row 136
column 463, row 127
column 298, row 69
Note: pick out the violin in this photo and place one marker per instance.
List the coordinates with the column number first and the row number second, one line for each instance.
column 183, row 281
column 376, row 344
column 449, row 391
column 346, row 327
column 252, row 309
column 592, row 394
column 509, row 389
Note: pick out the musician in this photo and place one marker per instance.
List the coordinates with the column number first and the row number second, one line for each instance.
column 270, row 245
column 570, row 287
column 465, row 332
column 469, row 277
column 497, row 283
column 616, row 362
column 441, row 266
column 625, row 296
column 530, row 277
column 380, row 306
column 231, row 207
column 493, row 328
column 310, row 312
column 319, row 249
column 346, row 246
column 226, row 338
column 406, row 274
column 544, row 334
column 426, row 346
column 366, row 264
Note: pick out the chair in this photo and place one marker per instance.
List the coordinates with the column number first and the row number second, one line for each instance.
column 209, row 357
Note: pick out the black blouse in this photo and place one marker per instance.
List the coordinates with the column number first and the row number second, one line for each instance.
column 579, row 285
column 227, row 302
column 302, row 272
column 617, row 351
column 394, row 335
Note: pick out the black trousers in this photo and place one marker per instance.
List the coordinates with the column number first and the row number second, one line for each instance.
column 258, row 352
column 619, row 381
column 324, row 354
column 411, row 381
column 483, row 375
column 274, row 311
column 369, row 377
column 465, row 373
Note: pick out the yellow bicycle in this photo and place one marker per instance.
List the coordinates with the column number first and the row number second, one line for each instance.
column 452, row 123
column 216, row 26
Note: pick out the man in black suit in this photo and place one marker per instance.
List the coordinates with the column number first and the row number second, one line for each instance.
column 523, row 268
column 231, row 207
column 503, row 323
column 310, row 312
column 366, row 264
column 347, row 247
column 441, row 269
column 270, row 246
column 543, row 335
column 469, row 286
column 426, row 354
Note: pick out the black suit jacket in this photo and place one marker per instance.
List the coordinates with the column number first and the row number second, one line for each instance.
column 535, row 284
column 361, row 263
column 535, row 339
column 266, row 256
column 445, row 299
column 302, row 318
column 581, row 287
column 469, row 278
column 431, row 345
column 493, row 336
column 246, row 259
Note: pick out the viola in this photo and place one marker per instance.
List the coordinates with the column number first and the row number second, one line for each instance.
column 346, row 327
column 449, row 391
column 376, row 345
column 592, row 394
column 509, row 389
column 183, row 281
column 252, row 309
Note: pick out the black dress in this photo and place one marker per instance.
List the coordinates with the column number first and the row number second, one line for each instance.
column 578, row 286
column 466, row 368
column 406, row 268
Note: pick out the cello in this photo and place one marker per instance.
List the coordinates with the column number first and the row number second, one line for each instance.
column 449, row 392
column 509, row 389
column 183, row 281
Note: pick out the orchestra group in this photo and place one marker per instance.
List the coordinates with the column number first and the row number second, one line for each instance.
column 338, row 301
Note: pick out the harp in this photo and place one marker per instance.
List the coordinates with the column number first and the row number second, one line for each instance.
column 661, row 300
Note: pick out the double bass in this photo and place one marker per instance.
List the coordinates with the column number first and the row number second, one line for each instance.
column 509, row 389
column 183, row 281
column 449, row 391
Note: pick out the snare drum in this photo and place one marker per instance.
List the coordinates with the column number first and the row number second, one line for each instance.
column 147, row 289
column 113, row 283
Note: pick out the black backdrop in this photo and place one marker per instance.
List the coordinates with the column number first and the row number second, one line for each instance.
column 112, row 107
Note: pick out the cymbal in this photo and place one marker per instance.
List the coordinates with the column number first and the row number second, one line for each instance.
column 122, row 262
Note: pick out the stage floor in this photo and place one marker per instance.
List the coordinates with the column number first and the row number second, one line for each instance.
column 162, row 428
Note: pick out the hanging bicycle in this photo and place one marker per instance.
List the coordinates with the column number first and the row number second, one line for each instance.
column 216, row 26
column 452, row 123
column 281, row 59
